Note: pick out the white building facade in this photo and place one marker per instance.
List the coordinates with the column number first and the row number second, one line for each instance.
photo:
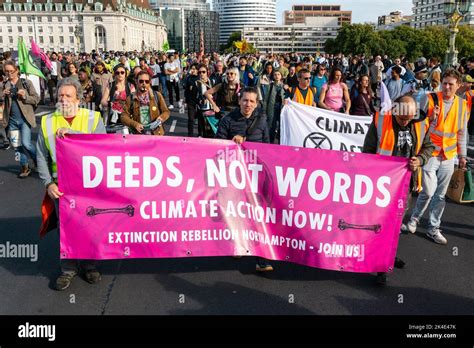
column 309, row 37
column 235, row 14
column 430, row 12
column 200, row 5
column 81, row 26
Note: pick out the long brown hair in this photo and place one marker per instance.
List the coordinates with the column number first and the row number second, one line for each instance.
column 369, row 88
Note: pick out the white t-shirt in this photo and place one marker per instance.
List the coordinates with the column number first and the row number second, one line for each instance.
column 54, row 68
column 172, row 66
column 156, row 70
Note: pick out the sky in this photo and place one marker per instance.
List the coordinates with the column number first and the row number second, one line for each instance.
column 362, row 10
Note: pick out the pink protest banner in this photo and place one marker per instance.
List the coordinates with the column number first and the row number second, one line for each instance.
column 156, row 197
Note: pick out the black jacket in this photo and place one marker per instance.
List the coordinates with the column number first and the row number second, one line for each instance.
column 191, row 90
column 236, row 124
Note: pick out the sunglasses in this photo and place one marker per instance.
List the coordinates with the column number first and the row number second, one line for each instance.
column 144, row 81
column 10, row 71
column 120, row 72
column 306, row 78
column 203, row 72
column 231, row 73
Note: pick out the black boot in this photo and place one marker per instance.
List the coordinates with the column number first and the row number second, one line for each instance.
column 399, row 263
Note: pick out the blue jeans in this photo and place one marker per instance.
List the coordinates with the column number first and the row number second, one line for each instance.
column 164, row 90
column 26, row 146
column 436, row 176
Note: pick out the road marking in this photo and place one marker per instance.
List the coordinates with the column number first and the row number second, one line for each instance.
column 173, row 126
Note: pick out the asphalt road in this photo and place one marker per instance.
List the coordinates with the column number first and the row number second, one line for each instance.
column 437, row 279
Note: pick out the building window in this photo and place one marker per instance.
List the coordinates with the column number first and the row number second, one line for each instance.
column 61, row 39
column 71, row 39
column 60, row 19
column 1, row 39
column 71, row 30
column 50, row 19
column 40, row 30
column 18, row 19
column 50, row 30
column 39, row 19
column 10, row 39
column 20, row 29
column 61, row 30
column 41, row 38
column 30, row 38
column 97, row 19
column 9, row 19
column 51, row 39
column 29, row 19
column 98, row 7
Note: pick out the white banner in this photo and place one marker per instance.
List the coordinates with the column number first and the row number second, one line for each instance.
column 306, row 126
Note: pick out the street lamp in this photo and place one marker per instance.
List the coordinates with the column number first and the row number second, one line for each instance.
column 33, row 17
column 455, row 11
column 77, row 33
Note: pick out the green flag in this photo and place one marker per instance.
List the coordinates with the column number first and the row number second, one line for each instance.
column 25, row 61
column 166, row 46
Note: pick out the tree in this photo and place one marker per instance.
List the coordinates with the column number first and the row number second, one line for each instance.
column 404, row 40
column 353, row 39
column 235, row 36
column 465, row 41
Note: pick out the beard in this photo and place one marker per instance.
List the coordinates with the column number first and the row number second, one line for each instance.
column 67, row 108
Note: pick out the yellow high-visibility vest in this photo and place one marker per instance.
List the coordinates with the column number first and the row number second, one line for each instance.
column 86, row 121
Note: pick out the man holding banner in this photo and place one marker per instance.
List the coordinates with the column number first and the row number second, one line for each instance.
column 69, row 118
column 449, row 136
column 247, row 123
column 394, row 133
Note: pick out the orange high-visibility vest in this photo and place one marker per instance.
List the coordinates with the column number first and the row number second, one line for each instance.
column 469, row 96
column 444, row 133
column 298, row 97
column 386, row 138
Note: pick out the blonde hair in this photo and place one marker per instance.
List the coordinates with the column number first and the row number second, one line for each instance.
column 234, row 70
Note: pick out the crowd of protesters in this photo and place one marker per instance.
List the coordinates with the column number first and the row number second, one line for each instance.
column 240, row 97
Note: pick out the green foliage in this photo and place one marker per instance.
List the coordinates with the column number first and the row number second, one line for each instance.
column 465, row 41
column 235, row 36
column 402, row 41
